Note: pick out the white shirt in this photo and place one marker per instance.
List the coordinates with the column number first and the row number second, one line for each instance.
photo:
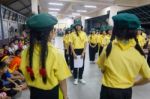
column 11, row 50
column 16, row 47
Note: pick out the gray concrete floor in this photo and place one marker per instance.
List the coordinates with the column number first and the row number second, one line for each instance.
column 91, row 89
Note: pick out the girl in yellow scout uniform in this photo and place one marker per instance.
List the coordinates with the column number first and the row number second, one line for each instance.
column 109, row 33
column 121, row 62
column 98, row 35
column 141, row 39
column 78, row 45
column 92, row 45
column 71, row 59
column 66, row 44
column 43, row 66
column 101, row 39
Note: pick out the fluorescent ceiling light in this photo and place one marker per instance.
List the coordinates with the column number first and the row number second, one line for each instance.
column 76, row 14
column 81, row 11
column 53, row 12
column 56, row 4
column 87, row 17
column 54, row 9
column 90, row 6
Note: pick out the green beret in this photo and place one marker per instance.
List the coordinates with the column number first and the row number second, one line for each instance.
column 77, row 22
column 140, row 28
column 68, row 29
column 109, row 28
column 41, row 21
column 92, row 30
column 97, row 30
column 126, row 21
column 103, row 28
column 72, row 26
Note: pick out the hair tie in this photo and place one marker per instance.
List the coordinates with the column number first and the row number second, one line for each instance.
column 30, row 71
column 43, row 72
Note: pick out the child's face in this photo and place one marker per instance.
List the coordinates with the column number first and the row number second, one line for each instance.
column 1, row 51
column 139, row 32
column 2, row 71
column 6, row 47
column 104, row 33
column 110, row 32
column 8, row 60
column 16, row 42
column 93, row 32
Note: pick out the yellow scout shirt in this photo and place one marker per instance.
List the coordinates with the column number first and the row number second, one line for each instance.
column 141, row 40
column 66, row 41
column 57, row 69
column 100, row 38
column 144, row 35
column 106, row 40
column 78, row 42
column 122, row 66
column 93, row 38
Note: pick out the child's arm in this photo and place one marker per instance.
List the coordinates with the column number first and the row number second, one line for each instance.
column 16, row 77
column 10, row 80
column 5, row 89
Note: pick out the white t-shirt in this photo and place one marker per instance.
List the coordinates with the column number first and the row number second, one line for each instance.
column 11, row 50
column 16, row 47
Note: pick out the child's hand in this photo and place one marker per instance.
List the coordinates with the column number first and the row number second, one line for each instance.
column 17, row 85
column 18, row 89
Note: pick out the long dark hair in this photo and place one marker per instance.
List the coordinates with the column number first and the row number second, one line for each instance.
column 125, row 34
column 40, row 37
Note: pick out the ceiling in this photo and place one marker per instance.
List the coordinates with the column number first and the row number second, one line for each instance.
column 20, row 6
column 71, row 7
column 142, row 12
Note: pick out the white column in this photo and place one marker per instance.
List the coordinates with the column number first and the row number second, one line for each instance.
column 34, row 4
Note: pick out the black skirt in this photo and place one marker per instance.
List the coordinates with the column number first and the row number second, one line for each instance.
column 115, row 93
column 36, row 93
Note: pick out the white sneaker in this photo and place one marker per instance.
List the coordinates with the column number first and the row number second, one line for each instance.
column 82, row 81
column 76, row 81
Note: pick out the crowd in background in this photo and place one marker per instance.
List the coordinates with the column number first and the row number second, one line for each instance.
column 12, row 81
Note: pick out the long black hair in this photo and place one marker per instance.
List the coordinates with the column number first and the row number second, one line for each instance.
column 41, row 38
column 124, row 34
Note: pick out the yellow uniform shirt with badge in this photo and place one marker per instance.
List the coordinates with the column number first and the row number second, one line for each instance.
column 66, row 40
column 57, row 69
column 78, row 42
column 123, row 65
column 93, row 38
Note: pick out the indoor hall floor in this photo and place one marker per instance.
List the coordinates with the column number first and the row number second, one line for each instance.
column 91, row 89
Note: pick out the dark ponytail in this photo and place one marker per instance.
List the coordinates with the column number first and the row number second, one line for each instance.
column 41, row 38
column 125, row 34
column 109, row 47
column 31, row 49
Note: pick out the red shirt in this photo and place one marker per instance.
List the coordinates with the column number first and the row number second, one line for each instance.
column 15, row 63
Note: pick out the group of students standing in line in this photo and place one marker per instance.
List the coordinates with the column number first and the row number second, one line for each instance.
column 121, row 55
column 46, row 71
column 98, row 39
